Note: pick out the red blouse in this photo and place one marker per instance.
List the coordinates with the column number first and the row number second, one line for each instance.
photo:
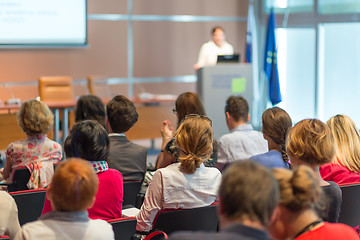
column 339, row 174
column 109, row 197
column 329, row 231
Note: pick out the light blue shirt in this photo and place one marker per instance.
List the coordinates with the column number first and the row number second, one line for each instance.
column 271, row 159
column 241, row 143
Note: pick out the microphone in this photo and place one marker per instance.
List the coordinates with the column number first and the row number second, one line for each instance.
column 12, row 100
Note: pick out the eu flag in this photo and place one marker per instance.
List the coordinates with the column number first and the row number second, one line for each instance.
column 270, row 64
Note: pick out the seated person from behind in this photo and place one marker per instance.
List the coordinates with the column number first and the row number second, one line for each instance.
column 89, row 140
column 248, row 196
column 188, row 183
column 310, row 143
column 243, row 141
column 90, row 107
column 345, row 167
column 37, row 152
column 125, row 156
column 276, row 124
column 296, row 216
column 72, row 191
column 186, row 103
column 216, row 46
column 9, row 222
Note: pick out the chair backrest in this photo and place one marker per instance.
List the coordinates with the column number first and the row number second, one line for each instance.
column 29, row 203
column 131, row 190
column 56, row 88
column 124, row 228
column 20, row 179
column 97, row 85
column 156, row 235
column 350, row 211
column 202, row 219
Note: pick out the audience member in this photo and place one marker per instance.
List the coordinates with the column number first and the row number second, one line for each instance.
column 188, row 183
column 186, row 103
column 248, row 195
column 296, row 217
column 72, row 191
column 243, row 141
column 37, row 152
column 90, row 107
column 345, row 167
column 9, row 222
column 276, row 124
column 125, row 156
column 310, row 143
column 211, row 49
column 89, row 140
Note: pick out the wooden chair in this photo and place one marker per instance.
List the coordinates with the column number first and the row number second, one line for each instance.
column 97, row 85
column 124, row 228
column 350, row 211
column 29, row 203
column 58, row 89
column 131, row 191
column 194, row 219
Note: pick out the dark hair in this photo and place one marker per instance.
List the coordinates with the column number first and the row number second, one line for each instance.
column 213, row 30
column 238, row 108
column 90, row 107
column 248, row 191
column 121, row 113
column 276, row 125
column 188, row 103
column 88, row 140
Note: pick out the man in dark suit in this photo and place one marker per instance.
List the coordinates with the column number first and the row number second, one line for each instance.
column 249, row 194
column 125, row 156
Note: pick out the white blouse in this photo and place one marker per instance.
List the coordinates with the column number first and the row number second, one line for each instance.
column 171, row 188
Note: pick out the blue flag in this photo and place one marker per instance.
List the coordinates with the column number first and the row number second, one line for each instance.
column 249, row 31
column 270, row 64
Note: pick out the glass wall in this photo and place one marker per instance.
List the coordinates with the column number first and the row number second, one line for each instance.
column 318, row 57
column 296, row 65
column 340, row 62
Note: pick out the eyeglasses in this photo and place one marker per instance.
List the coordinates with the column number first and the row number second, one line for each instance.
column 192, row 115
column 174, row 111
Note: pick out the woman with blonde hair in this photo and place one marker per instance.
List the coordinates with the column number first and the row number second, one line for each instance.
column 310, row 143
column 345, row 167
column 296, row 216
column 276, row 125
column 187, row 183
column 186, row 103
column 37, row 152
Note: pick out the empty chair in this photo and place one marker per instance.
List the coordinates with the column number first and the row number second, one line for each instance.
column 56, row 88
column 194, row 219
column 20, row 180
column 131, row 190
column 350, row 211
column 30, row 204
column 124, row 228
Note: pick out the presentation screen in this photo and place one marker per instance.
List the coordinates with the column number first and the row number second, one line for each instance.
column 43, row 23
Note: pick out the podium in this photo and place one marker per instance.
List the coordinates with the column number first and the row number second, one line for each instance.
column 216, row 83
